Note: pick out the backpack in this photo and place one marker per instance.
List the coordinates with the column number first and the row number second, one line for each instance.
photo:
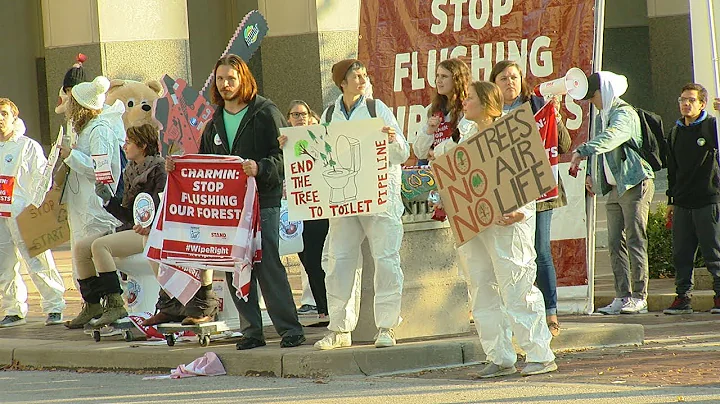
column 654, row 148
column 370, row 105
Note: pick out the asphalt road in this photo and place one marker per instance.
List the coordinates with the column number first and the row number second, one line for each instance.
column 43, row 387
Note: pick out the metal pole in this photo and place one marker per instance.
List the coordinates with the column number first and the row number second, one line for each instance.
column 713, row 47
column 590, row 201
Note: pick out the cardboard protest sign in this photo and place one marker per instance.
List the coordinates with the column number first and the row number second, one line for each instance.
column 492, row 173
column 337, row 169
column 46, row 226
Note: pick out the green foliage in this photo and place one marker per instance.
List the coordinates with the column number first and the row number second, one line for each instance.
column 300, row 147
column 659, row 245
column 312, row 136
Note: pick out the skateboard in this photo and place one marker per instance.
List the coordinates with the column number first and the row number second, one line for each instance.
column 203, row 331
column 123, row 326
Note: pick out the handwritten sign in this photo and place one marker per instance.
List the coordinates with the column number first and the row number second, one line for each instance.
column 336, row 170
column 494, row 172
column 46, row 226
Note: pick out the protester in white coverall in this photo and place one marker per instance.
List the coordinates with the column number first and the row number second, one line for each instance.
column 22, row 161
column 383, row 230
column 501, row 264
column 100, row 132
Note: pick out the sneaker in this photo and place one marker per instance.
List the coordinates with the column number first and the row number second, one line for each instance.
column 307, row 309
column 614, row 307
column 538, row 368
column 634, row 306
column 681, row 305
column 54, row 319
column 12, row 321
column 335, row 339
column 716, row 306
column 493, row 370
column 385, row 338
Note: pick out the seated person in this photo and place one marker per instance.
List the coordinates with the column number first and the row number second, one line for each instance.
column 145, row 172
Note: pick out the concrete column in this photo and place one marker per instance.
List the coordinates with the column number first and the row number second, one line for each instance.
column 126, row 39
column 435, row 298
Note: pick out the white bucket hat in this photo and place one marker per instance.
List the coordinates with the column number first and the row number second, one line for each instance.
column 91, row 95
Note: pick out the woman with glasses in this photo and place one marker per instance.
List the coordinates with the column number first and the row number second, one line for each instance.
column 314, row 233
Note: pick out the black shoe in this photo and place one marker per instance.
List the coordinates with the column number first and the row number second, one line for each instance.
column 292, row 341
column 249, row 343
column 681, row 305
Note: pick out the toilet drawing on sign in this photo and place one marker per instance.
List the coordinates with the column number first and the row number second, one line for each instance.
column 341, row 177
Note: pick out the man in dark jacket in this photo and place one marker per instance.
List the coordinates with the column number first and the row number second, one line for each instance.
column 693, row 195
column 247, row 125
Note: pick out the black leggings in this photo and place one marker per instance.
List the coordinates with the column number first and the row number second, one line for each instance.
column 314, row 234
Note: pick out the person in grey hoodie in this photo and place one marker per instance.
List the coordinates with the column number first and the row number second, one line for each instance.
column 618, row 171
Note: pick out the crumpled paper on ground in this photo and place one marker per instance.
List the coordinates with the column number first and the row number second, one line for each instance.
column 206, row 365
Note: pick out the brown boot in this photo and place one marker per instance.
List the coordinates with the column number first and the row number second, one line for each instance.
column 89, row 311
column 114, row 310
column 159, row 318
column 197, row 320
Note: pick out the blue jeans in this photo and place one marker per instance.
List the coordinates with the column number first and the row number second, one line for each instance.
column 546, row 279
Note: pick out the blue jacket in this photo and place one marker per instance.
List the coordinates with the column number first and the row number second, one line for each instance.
column 626, row 165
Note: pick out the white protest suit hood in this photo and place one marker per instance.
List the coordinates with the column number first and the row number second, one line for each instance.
column 19, row 128
column 612, row 86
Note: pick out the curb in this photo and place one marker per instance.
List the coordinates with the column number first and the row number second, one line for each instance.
column 304, row 361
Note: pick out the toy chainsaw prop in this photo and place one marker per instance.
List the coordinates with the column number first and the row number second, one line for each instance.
column 183, row 112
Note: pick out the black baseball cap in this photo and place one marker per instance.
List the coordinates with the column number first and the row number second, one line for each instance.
column 593, row 85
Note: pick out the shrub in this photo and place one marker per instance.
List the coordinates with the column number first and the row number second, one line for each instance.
column 659, row 245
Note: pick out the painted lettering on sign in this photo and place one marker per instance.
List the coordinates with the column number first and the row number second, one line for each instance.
column 494, row 172
column 336, row 170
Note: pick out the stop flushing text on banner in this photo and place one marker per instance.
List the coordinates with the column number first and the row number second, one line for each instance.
column 403, row 41
column 337, row 169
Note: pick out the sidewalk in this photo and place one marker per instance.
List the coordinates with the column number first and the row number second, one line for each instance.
column 37, row 346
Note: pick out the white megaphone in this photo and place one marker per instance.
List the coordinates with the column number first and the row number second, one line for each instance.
column 574, row 84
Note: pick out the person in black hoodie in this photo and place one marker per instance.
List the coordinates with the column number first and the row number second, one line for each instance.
column 247, row 125
column 145, row 172
column 693, row 195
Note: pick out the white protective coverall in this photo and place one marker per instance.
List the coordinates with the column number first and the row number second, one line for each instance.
column 501, row 265
column 23, row 159
column 384, row 232
column 104, row 134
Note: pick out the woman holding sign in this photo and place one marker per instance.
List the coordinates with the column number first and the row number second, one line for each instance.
column 501, row 263
column 314, row 234
column 508, row 76
column 445, row 114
